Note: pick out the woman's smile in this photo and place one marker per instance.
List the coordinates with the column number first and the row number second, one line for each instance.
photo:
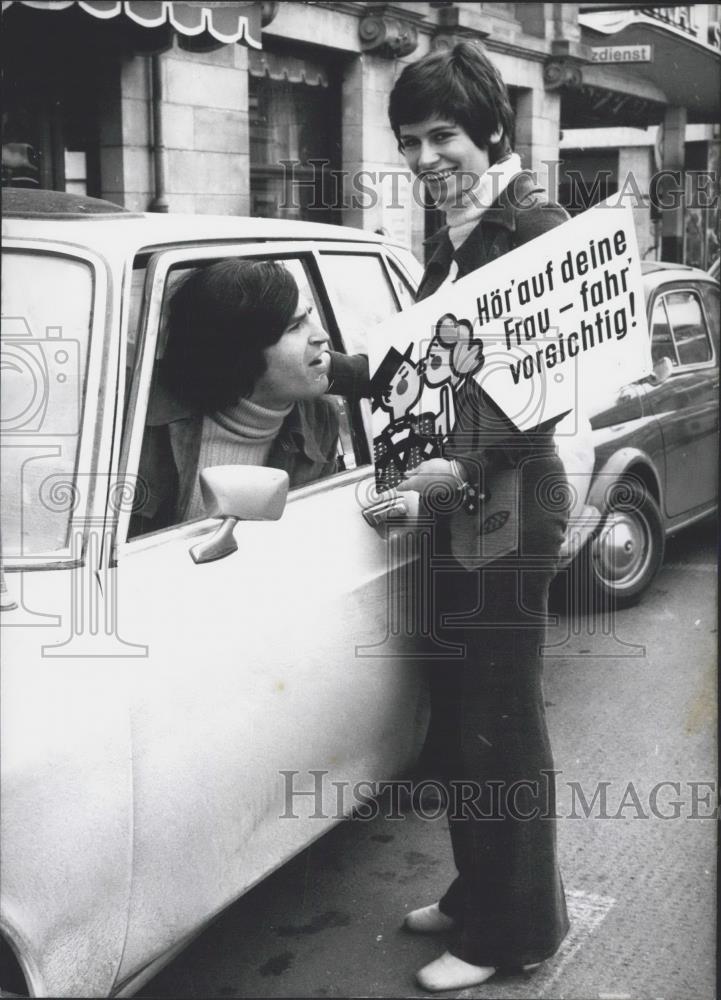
column 437, row 174
column 444, row 157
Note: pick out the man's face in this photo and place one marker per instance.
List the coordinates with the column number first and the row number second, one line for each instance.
column 403, row 390
column 298, row 363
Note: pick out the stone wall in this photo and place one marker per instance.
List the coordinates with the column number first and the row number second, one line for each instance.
column 205, row 116
column 635, row 164
column 206, row 123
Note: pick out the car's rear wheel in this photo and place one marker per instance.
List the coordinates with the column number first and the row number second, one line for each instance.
column 626, row 552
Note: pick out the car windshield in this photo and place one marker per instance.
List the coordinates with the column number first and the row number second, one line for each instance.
column 46, row 318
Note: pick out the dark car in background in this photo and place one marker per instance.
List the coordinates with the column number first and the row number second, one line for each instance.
column 656, row 466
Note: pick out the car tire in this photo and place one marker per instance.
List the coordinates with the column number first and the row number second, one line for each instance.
column 626, row 551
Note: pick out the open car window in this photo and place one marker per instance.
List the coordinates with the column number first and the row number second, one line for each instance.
column 361, row 293
column 161, row 432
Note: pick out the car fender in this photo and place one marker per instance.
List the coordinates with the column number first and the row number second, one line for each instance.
column 66, row 825
column 615, row 468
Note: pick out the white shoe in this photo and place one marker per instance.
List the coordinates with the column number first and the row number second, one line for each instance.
column 428, row 920
column 451, row 973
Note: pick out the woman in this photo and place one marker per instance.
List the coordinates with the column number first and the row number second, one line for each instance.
column 241, row 383
column 506, row 909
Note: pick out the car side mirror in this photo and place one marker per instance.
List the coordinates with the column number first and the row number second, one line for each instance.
column 238, row 493
column 661, row 371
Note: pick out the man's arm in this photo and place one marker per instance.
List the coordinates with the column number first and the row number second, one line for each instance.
column 349, row 376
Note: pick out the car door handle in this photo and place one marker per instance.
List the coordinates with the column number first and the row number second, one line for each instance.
column 389, row 510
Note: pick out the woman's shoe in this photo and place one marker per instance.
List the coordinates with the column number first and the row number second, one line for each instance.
column 428, row 920
column 451, row 973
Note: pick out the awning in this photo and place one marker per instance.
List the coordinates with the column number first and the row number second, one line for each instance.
column 288, row 68
column 684, row 65
column 208, row 24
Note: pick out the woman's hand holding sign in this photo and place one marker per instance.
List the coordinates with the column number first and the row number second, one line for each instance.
column 439, row 481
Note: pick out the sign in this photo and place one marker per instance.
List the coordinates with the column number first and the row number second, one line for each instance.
column 693, row 22
column 682, row 16
column 622, row 53
column 714, row 35
column 557, row 326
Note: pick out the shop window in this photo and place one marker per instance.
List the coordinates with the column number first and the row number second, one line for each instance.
column 76, row 171
column 52, row 74
column 295, row 117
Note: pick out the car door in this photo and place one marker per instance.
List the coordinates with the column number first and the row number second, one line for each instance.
column 271, row 673
column 686, row 404
column 66, row 810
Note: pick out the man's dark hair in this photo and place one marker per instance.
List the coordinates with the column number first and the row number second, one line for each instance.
column 221, row 320
column 461, row 86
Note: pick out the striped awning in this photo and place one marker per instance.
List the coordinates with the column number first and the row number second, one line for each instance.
column 224, row 22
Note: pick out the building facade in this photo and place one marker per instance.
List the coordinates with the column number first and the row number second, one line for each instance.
column 661, row 144
column 280, row 109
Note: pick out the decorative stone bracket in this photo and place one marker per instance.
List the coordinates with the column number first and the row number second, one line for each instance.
column 563, row 69
column 453, row 29
column 562, row 73
column 385, row 32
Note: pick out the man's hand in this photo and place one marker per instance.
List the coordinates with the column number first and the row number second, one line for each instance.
column 431, row 475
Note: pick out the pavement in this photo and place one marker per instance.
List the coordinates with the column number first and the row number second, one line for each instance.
column 631, row 706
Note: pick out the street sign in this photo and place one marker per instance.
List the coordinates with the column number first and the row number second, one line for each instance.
column 622, row 53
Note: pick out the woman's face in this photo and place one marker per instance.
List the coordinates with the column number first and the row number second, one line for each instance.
column 297, row 364
column 444, row 157
column 437, row 363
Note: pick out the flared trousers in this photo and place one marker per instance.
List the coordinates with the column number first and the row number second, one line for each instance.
column 488, row 740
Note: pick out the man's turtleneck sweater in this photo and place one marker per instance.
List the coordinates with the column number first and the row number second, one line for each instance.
column 239, row 435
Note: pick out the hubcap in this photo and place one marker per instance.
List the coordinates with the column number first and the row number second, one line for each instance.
column 622, row 550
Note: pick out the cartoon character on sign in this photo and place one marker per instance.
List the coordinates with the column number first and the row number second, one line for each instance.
column 414, row 434
column 408, row 438
column 453, row 357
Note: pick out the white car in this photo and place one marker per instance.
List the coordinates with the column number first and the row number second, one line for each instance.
column 161, row 716
column 180, row 708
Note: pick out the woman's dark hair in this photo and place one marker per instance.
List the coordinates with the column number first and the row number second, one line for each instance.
column 461, row 86
column 221, row 320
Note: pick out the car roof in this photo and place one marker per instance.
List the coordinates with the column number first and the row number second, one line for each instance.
column 658, row 272
column 648, row 266
column 106, row 227
column 33, row 203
